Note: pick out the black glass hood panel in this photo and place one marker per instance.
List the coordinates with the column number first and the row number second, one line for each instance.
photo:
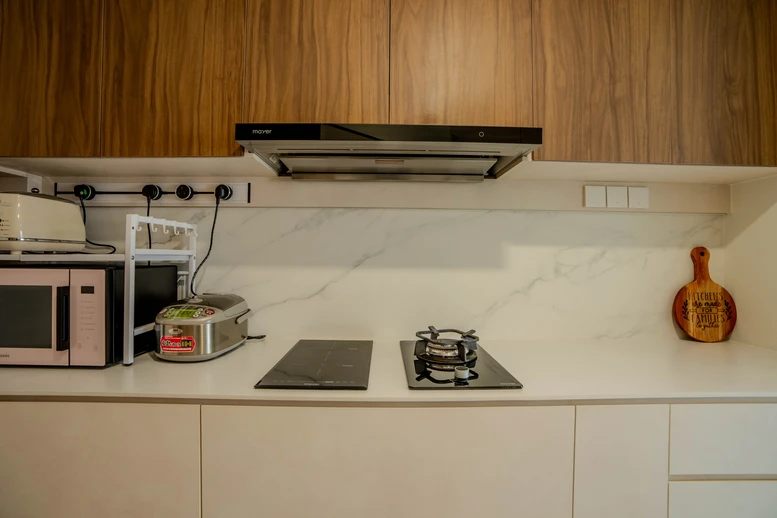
column 389, row 132
column 388, row 151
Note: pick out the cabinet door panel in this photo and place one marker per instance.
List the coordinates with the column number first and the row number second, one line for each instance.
column 317, row 61
column 173, row 77
column 602, row 80
column 50, row 81
column 94, row 460
column 621, row 461
column 464, row 62
column 387, row 462
column 727, row 81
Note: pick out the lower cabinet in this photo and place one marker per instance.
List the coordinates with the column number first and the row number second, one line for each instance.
column 731, row 443
column 621, row 461
column 387, row 462
column 740, row 499
column 98, row 460
column 95, row 460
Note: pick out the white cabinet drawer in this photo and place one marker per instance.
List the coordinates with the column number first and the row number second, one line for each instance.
column 288, row 462
column 740, row 499
column 723, row 440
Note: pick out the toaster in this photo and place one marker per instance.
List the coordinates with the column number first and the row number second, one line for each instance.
column 39, row 223
column 202, row 327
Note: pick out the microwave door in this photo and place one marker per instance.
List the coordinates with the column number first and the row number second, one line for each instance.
column 34, row 316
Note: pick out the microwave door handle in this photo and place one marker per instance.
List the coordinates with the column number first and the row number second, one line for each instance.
column 63, row 318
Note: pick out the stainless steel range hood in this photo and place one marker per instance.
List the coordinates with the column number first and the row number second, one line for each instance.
column 369, row 152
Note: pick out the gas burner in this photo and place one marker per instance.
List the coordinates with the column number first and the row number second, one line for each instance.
column 446, row 351
column 436, row 362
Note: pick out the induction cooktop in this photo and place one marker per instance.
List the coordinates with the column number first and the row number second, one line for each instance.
column 322, row 364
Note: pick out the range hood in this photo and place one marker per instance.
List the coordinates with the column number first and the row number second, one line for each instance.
column 388, row 151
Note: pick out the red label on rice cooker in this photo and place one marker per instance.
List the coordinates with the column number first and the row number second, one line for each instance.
column 177, row 344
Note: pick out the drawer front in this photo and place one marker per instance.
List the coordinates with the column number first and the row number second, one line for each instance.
column 740, row 499
column 723, row 440
column 293, row 462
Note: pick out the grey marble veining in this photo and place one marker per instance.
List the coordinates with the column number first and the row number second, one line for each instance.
column 350, row 273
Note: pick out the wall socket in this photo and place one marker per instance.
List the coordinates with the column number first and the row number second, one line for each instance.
column 241, row 194
column 616, row 197
column 639, row 198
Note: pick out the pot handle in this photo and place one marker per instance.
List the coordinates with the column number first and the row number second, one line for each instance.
column 245, row 316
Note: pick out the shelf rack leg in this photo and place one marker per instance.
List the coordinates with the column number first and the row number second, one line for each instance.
column 130, row 242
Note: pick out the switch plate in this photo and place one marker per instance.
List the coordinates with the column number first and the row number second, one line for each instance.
column 639, row 197
column 595, row 196
column 617, row 197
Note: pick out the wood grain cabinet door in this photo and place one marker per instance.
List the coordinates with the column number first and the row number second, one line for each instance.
column 317, row 61
column 603, row 80
column 173, row 76
column 464, row 62
column 50, row 77
column 726, row 81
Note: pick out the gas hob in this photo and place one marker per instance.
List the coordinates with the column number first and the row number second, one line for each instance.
column 452, row 359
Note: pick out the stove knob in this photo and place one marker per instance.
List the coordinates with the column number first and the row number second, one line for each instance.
column 461, row 372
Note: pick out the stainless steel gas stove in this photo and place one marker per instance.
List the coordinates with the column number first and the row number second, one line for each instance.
column 452, row 359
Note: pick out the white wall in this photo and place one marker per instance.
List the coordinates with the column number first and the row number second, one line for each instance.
column 751, row 258
column 386, row 273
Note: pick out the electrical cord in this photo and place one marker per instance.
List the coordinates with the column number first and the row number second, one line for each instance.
column 256, row 337
column 210, row 246
column 148, row 227
column 83, row 217
column 148, row 215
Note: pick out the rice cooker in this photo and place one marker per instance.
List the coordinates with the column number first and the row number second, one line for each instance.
column 202, row 327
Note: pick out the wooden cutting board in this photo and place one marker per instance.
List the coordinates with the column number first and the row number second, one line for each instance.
column 703, row 308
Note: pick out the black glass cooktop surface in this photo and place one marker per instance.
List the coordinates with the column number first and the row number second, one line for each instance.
column 484, row 372
column 322, row 364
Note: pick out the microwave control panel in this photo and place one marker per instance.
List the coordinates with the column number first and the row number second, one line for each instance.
column 87, row 317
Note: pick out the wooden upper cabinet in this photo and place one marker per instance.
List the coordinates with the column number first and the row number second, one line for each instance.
column 317, row 61
column 173, row 77
column 464, row 62
column 50, row 77
column 603, row 80
column 727, row 81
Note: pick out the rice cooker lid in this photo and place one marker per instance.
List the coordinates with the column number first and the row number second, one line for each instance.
column 207, row 307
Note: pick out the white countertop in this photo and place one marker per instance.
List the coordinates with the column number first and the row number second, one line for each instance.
column 593, row 372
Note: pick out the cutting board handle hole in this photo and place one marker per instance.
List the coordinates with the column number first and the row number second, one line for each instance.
column 701, row 254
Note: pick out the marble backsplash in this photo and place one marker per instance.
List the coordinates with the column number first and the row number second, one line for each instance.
column 350, row 273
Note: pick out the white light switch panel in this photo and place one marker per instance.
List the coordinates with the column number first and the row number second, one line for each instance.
column 595, row 196
column 639, row 197
column 617, row 197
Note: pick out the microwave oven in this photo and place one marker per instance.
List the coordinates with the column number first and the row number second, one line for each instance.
column 71, row 316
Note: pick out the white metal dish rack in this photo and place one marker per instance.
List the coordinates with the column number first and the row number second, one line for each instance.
column 132, row 254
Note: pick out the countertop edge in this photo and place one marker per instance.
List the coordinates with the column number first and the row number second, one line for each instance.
column 394, row 403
